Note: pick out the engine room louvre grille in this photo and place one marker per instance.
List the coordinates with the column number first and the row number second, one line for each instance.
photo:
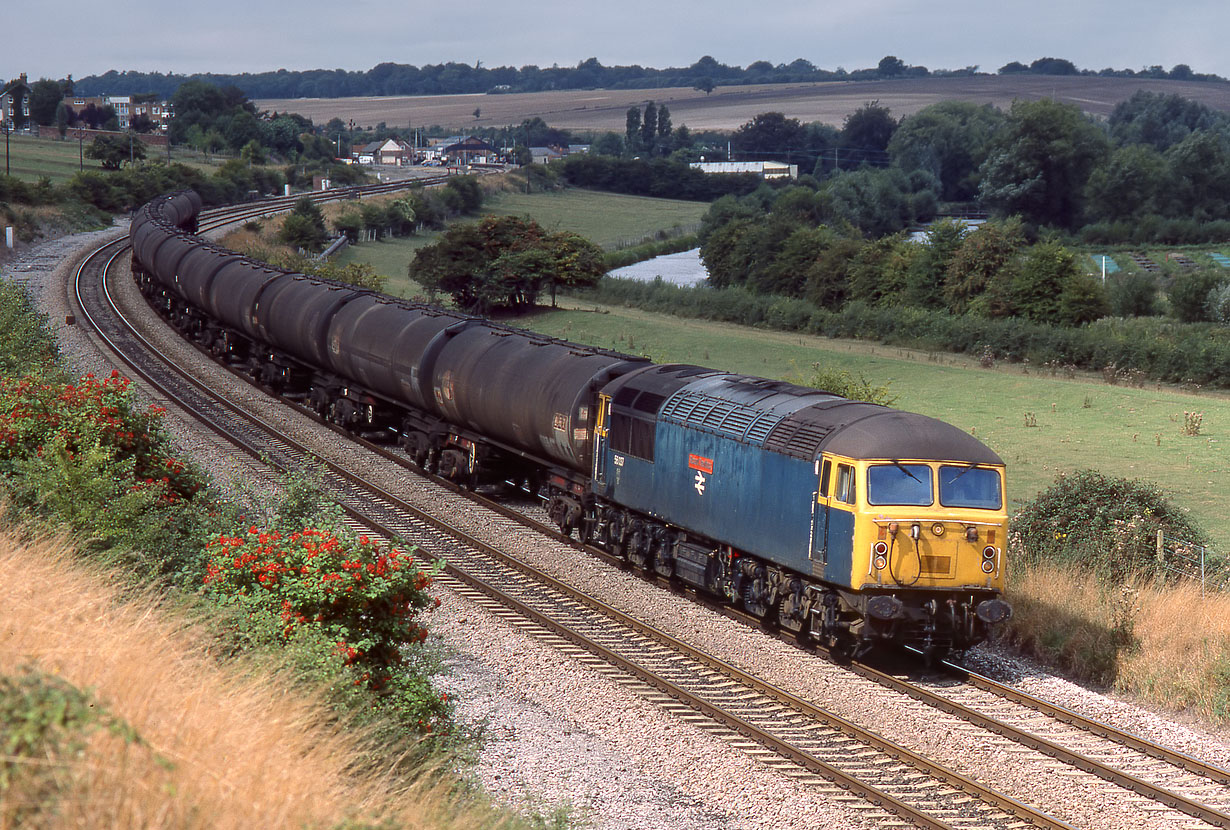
column 799, row 439
column 723, row 417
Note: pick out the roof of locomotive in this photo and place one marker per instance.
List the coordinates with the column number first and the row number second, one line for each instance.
column 791, row 419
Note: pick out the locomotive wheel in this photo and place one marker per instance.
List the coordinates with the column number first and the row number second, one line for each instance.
column 756, row 595
column 789, row 615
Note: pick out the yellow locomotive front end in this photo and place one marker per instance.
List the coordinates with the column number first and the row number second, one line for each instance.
column 927, row 550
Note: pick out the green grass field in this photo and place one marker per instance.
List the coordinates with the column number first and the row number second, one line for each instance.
column 606, row 219
column 30, row 159
column 609, row 220
column 1080, row 423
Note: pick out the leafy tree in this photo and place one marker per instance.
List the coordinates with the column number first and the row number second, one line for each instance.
column 890, row 66
column 1189, row 294
column 664, row 129
column 982, row 256
column 253, row 152
column 1199, row 181
column 1161, row 120
column 649, row 127
column 1053, row 66
column 869, row 128
column 504, row 262
column 1047, row 287
column 632, row 129
column 1039, row 164
column 705, row 85
column 724, row 258
column 113, row 151
column 928, row 271
column 349, row 224
column 950, row 140
column 45, row 98
column 1128, row 184
column 304, row 227
column 607, row 144
column 770, row 135
column 1133, row 295
column 884, row 200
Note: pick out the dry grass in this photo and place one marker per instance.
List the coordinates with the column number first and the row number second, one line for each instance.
column 1165, row 644
column 219, row 748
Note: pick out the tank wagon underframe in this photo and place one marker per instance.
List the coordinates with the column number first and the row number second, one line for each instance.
column 484, row 404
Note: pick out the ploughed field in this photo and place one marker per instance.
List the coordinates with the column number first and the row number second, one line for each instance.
column 728, row 107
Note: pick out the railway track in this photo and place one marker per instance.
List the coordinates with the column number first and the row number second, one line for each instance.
column 755, row 717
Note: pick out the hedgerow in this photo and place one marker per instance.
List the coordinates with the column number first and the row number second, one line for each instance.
column 1156, row 348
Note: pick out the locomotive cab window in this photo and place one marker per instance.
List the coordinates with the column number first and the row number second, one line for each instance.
column 904, row 484
column 844, row 489
column 824, row 477
column 976, row 487
column 632, row 435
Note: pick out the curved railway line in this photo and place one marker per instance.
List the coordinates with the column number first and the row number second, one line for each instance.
column 757, row 717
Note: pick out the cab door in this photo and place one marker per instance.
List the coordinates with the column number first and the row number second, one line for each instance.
column 836, row 506
column 600, row 440
column 820, row 515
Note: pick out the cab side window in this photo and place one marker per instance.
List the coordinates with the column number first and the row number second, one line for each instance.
column 844, row 491
column 824, row 477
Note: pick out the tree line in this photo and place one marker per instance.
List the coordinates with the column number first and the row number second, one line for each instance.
column 706, row 73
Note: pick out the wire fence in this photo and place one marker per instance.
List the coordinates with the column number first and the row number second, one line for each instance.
column 1181, row 559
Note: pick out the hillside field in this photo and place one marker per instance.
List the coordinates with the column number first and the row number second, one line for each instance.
column 728, row 107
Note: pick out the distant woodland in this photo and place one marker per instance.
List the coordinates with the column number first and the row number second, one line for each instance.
column 456, row 78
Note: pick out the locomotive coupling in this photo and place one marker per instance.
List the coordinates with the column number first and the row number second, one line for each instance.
column 885, row 608
column 993, row 611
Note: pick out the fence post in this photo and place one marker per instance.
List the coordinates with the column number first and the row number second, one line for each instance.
column 1161, row 550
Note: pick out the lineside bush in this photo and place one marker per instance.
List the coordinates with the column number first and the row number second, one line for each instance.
column 356, row 601
column 1103, row 524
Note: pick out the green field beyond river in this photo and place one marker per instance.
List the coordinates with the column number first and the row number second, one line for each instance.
column 1041, row 425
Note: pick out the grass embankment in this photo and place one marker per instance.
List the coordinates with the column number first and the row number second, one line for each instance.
column 192, row 742
column 1166, row 644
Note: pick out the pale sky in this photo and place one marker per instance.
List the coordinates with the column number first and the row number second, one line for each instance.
column 85, row 37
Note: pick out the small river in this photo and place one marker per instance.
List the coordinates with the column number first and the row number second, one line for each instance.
column 684, row 268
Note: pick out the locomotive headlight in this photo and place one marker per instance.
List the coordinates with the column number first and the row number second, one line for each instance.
column 880, row 560
column 988, row 565
column 971, row 535
column 989, row 552
column 937, row 529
